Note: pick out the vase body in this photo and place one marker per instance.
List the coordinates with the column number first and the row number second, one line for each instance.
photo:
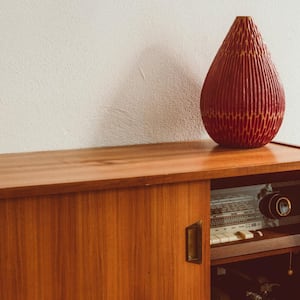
column 242, row 100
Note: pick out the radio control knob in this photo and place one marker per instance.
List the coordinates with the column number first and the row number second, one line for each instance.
column 283, row 206
column 275, row 206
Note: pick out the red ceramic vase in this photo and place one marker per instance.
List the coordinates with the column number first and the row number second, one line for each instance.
column 242, row 100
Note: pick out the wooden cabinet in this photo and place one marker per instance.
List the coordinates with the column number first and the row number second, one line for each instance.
column 110, row 223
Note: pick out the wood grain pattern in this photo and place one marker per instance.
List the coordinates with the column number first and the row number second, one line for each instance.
column 124, row 244
column 109, row 223
column 114, row 167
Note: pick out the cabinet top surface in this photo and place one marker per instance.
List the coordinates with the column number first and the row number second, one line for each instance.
column 137, row 165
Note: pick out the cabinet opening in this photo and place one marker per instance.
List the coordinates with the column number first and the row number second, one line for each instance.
column 269, row 278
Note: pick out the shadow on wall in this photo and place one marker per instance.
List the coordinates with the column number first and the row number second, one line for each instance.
column 158, row 102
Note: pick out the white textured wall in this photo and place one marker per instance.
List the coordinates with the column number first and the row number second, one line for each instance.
column 77, row 74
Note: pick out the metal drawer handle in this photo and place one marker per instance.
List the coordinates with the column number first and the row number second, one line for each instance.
column 193, row 238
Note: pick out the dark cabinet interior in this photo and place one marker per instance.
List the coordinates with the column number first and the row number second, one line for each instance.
column 269, row 278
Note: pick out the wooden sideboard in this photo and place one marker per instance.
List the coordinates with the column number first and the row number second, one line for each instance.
column 110, row 223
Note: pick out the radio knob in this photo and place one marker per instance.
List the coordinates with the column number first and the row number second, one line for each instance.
column 275, row 206
column 283, row 206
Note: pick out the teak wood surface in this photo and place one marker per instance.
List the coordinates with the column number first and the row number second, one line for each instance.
column 124, row 244
column 109, row 223
column 113, row 167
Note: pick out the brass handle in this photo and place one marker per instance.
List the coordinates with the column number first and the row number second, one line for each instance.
column 193, row 240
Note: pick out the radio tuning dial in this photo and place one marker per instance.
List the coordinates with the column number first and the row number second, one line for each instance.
column 283, row 206
column 275, row 206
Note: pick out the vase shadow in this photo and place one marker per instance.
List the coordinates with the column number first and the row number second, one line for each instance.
column 158, row 101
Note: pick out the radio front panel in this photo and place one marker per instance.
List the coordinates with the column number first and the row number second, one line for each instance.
column 240, row 213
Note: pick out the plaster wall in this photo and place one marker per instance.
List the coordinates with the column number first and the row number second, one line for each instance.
column 76, row 74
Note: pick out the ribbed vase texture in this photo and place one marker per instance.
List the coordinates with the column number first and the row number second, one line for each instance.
column 242, row 100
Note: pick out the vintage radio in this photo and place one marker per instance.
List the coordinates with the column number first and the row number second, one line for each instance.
column 237, row 213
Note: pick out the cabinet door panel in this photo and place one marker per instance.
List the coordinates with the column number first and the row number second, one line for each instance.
column 117, row 244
